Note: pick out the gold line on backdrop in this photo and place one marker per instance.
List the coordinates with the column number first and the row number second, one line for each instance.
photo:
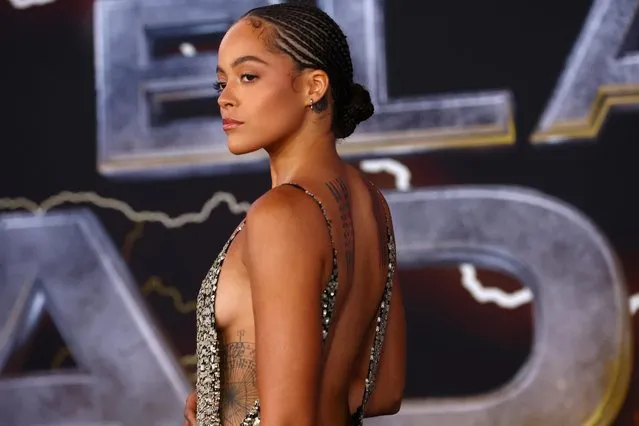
column 588, row 127
column 381, row 143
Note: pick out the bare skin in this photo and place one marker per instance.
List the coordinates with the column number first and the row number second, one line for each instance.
column 268, row 299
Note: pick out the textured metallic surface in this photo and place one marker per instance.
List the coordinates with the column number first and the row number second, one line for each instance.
column 127, row 374
column 128, row 76
column 579, row 366
column 596, row 60
column 131, row 82
column 363, row 23
column 577, row 372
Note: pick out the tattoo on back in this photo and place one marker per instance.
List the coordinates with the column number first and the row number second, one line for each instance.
column 239, row 380
column 342, row 195
column 380, row 217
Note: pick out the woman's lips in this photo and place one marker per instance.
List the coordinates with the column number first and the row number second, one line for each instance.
column 230, row 124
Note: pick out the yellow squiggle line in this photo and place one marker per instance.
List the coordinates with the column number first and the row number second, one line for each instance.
column 156, row 285
column 62, row 354
column 153, row 284
column 132, row 237
column 189, row 360
column 68, row 197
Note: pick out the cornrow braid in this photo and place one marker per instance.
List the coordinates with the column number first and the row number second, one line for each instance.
column 313, row 40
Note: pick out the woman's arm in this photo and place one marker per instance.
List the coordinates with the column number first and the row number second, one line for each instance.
column 285, row 254
column 190, row 409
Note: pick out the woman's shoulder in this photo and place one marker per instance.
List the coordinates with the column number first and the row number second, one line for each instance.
column 283, row 199
column 281, row 226
column 286, row 208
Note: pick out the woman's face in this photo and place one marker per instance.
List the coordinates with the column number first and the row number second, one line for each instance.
column 258, row 101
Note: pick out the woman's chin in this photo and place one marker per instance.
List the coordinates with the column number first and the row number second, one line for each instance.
column 238, row 147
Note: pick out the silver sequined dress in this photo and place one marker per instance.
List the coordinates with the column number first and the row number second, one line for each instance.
column 208, row 387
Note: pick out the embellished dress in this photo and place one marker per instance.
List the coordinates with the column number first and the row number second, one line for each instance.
column 209, row 387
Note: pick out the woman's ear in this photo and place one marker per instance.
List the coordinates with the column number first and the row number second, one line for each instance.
column 317, row 85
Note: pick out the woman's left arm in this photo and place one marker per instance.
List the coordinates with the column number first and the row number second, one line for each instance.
column 285, row 255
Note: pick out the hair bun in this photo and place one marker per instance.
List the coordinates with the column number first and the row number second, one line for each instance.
column 358, row 108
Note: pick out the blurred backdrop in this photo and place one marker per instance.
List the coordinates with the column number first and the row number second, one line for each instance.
column 110, row 125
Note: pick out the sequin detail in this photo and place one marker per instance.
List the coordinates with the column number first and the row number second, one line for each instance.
column 209, row 387
column 381, row 321
column 380, row 329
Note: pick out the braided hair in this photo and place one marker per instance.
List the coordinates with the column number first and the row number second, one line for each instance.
column 313, row 40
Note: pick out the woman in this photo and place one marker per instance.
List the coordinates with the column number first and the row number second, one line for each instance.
column 296, row 310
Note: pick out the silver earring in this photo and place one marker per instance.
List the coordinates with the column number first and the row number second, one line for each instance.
column 312, row 105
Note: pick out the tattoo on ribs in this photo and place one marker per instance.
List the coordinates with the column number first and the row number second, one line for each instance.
column 342, row 195
column 239, row 380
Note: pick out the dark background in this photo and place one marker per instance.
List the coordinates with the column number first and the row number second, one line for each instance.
column 456, row 346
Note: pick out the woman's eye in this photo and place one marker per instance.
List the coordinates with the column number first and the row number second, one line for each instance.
column 219, row 85
column 248, row 78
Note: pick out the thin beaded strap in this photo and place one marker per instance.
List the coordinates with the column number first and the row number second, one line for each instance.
column 322, row 208
column 381, row 320
column 329, row 294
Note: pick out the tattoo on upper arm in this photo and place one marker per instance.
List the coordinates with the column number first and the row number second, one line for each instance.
column 342, row 195
column 239, row 379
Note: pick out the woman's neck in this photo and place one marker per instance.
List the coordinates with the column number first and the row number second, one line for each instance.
column 301, row 157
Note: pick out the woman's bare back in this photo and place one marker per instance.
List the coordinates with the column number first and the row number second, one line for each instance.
column 359, row 217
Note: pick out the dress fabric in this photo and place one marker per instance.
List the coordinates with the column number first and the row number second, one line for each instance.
column 208, row 386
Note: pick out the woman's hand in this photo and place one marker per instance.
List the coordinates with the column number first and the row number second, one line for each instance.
column 189, row 409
